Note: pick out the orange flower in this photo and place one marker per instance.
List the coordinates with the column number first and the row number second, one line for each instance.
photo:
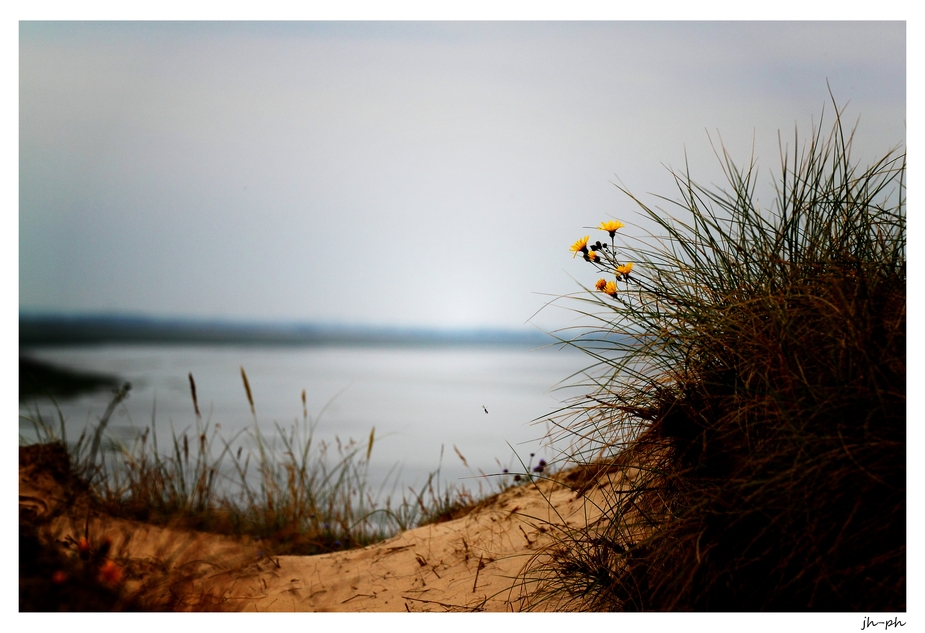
column 581, row 246
column 601, row 283
column 592, row 256
column 625, row 269
column 110, row 573
column 611, row 226
column 610, row 288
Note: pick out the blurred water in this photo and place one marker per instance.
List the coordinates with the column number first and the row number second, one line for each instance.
column 419, row 399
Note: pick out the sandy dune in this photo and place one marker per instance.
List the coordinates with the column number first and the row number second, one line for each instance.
column 469, row 564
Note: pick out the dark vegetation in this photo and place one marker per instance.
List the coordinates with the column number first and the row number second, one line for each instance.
column 40, row 379
column 763, row 401
column 49, row 579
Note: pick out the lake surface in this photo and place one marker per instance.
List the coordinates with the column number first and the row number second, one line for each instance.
column 421, row 400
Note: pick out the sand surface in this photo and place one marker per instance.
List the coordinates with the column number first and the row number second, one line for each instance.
column 473, row 563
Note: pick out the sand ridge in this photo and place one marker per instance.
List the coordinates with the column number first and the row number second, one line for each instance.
column 473, row 563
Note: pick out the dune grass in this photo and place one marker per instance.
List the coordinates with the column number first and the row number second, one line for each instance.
column 287, row 494
column 748, row 379
column 749, row 365
column 291, row 493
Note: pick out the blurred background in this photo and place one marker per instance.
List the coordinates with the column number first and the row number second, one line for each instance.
column 406, row 176
column 408, row 173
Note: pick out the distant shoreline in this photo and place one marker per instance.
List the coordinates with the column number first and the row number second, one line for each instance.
column 52, row 330
column 41, row 379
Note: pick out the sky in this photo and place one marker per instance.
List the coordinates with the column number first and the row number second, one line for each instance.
column 396, row 173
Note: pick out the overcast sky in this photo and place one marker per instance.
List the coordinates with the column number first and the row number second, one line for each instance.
column 427, row 174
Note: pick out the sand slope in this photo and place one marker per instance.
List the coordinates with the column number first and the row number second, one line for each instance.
column 470, row 563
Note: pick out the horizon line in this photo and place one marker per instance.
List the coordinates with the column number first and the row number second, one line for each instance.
column 46, row 328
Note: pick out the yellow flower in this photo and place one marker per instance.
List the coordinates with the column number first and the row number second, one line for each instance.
column 581, row 246
column 611, row 226
column 625, row 269
column 591, row 256
column 601, row 283
column 610, row 288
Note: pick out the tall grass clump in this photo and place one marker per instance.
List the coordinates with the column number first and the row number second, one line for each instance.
column 749, row 379
column 288, row 490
